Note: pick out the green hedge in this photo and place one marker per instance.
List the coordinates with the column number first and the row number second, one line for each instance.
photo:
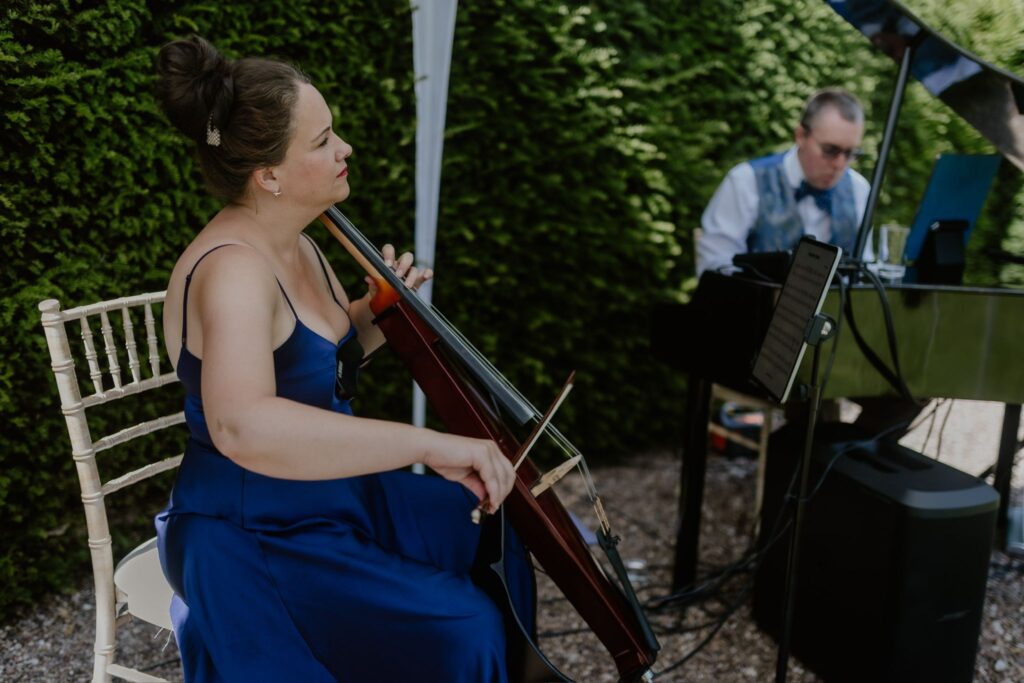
column 582, row 144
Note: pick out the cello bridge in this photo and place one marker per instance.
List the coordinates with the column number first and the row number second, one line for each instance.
column 552, row 476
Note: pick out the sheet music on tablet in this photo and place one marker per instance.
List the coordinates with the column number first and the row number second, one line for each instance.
column 803, row 293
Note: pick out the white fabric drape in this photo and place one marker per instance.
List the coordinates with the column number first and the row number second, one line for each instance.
column 433, row 29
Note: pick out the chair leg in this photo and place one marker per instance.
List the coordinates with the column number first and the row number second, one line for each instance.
column 103, row 656
column 105, row 643
column 762, row 462
column 99, row 666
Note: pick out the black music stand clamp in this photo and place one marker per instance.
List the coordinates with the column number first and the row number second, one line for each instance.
column 819, row 329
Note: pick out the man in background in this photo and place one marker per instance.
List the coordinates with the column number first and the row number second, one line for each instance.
column 768, row 204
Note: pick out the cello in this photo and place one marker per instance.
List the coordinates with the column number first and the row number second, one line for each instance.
column 472, row 399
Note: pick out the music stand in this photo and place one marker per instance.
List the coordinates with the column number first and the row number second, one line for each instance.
column 949, row 209
column 797, row 322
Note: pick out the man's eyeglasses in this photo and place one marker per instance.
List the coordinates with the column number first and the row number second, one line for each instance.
column 832, row 152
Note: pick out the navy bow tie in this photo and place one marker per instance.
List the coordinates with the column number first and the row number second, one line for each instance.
column 823, row 198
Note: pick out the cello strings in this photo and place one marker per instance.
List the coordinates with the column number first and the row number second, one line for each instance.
column 568, row 449
column 446, row 330
column 566, row 446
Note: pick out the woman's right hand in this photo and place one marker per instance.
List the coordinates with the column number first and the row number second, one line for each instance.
column 477, row 464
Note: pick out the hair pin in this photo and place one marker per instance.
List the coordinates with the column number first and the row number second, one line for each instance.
column 212, row 134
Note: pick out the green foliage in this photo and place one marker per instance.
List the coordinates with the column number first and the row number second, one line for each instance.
column 98, row 196
column 582, row 144
column 989, row 29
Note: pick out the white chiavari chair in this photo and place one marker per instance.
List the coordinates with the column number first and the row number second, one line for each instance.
column 136, row 586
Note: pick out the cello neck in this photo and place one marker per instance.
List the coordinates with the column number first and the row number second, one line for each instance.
column 369, row 258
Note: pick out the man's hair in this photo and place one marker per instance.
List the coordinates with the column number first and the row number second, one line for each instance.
column 844, row 102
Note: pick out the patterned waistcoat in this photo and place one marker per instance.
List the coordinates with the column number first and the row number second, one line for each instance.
column 778, row 226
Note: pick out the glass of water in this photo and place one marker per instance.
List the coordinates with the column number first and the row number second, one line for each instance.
column 892, row 241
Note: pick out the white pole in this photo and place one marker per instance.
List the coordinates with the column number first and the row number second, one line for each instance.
column 433, row 30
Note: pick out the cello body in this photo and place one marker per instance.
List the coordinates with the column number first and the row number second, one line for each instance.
column 467, row 407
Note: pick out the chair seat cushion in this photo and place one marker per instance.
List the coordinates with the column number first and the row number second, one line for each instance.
column 140, row 578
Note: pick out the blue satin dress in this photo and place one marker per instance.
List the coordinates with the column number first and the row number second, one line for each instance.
column 357, row 579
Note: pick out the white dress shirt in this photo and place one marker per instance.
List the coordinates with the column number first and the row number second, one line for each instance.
column 732, row 212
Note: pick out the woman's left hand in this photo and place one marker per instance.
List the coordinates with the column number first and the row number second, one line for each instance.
column 403, row 267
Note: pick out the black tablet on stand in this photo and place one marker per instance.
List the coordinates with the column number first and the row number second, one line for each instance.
column 803, row 293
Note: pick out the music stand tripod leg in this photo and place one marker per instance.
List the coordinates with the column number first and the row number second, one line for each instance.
column 820, row 328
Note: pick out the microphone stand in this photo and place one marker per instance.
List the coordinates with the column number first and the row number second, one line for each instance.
column 819, row 328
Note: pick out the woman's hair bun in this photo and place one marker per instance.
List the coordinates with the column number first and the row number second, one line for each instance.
column 194, row 85
column 238, row 112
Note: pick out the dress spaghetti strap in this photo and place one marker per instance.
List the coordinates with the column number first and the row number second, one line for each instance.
column 188, row 283
column 323, row 267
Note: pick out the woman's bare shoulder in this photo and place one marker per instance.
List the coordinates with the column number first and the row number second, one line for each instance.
column 207, row 245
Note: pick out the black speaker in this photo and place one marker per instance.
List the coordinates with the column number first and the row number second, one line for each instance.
column 893, row 563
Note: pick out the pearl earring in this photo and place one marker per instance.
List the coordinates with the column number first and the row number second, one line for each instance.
column 277, row 193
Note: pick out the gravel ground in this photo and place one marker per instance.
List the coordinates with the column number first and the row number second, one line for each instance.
column 54, row 644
